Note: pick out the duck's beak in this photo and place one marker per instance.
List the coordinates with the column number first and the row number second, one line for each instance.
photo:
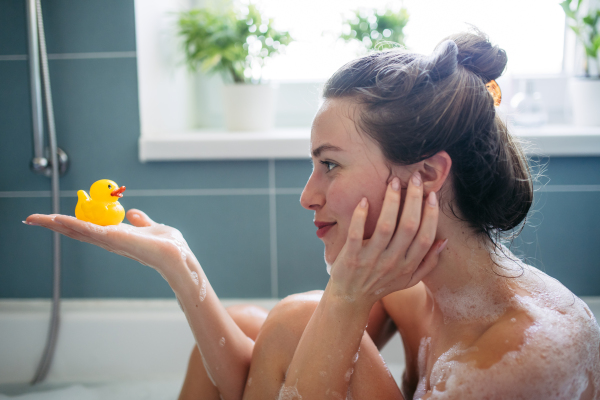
column 118, row 192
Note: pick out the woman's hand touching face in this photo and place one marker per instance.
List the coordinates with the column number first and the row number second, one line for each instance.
column 398, row 254
column 156, row 245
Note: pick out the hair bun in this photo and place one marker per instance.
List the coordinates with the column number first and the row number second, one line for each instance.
column 443, row 61
column 476, row 53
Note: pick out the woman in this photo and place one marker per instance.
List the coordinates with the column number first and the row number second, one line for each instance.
column 399, row 138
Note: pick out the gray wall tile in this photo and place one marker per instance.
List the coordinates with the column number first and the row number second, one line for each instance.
column 71, row 26
column 13, row 27
column 292, row 173
column 228, row 234
column 25, row 251
column 561, row 239
column 75, row 26
column 299, row 250
column 573, row 171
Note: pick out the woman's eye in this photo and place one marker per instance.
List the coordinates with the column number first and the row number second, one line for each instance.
column 329, row 165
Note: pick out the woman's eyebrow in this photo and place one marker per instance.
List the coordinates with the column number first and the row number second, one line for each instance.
column 325, row 147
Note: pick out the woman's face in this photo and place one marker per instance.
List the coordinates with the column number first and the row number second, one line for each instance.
column 347, row 166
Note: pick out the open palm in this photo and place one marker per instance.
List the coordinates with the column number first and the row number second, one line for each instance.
column 156, row 245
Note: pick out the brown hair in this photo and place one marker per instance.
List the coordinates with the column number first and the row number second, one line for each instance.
column 415, row 106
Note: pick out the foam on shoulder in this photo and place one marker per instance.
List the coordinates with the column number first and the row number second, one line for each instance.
column 559, row 358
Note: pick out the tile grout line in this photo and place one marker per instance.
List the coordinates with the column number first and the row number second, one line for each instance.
column 568, row 188
column 161, row 192
column 273, row 229
column 74, row 56
column 247, row 192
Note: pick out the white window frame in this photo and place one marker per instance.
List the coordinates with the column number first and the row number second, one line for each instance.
column 171, row 110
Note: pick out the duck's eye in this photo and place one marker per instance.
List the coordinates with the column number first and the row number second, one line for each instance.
column 329, row 165
column 109, row 186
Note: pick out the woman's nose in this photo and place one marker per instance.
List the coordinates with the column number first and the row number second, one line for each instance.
column 312, row 196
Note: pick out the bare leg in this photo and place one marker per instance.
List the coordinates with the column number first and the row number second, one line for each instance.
column 277, row 342
column 197, row 384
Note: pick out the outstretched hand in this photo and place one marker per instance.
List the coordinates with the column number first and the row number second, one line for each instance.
column 152, row 244
column 398, row 255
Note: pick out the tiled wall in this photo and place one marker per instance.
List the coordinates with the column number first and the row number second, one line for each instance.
column 242, row 240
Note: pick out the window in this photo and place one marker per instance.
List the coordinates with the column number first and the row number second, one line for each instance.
column 177, row 107
column 531, row 32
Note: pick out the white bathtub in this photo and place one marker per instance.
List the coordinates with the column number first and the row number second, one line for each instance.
column 139, row 346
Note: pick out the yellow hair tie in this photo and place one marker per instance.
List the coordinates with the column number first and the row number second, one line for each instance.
column 494, row 89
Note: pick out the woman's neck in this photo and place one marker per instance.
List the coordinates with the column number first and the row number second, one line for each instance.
column 465, row 283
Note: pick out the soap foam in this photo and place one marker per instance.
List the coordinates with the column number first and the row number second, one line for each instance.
column 194, row 275
column 97, row 229
column 178, row 241
column 559, row 357
column 348, row 374
column 289, row 392
column 202, row 295
column 328, row 266
column 222, row 342
column 349, row 394
column 424, row 349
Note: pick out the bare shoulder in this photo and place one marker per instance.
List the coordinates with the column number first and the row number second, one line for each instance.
column 546, row 346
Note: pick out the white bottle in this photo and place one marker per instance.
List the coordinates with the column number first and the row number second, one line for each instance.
column 528, row 107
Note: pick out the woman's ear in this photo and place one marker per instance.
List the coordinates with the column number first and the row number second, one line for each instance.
column 434, row 171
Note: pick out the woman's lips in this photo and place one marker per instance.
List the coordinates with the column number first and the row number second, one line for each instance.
column 323, row 228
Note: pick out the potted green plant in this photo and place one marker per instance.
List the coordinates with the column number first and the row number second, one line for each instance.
column 236, row 43
column 585, row 91
column 376, row 30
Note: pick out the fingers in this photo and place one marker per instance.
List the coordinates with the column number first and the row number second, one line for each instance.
column 426, row 235
column 357, row 228
column 54, row 222
column 386, row 224
column 411, row 216
column 139, row 218
column 71, row 227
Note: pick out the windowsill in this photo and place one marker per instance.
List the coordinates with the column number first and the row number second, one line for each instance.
column 293, row 143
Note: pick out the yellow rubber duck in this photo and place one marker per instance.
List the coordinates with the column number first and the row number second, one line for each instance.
column 102, row 206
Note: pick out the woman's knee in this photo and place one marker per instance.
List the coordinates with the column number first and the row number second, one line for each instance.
column 281, row 332
column 248, row 317
column 297, row 307
column 288, row 319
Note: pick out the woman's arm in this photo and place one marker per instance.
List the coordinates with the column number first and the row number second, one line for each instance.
column 364, row 272
column 225, row 349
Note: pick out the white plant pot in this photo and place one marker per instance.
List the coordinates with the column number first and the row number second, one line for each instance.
column 585, row 99
column 249, row 107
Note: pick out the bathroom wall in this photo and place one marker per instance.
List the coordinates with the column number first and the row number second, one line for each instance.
column 93, row 75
